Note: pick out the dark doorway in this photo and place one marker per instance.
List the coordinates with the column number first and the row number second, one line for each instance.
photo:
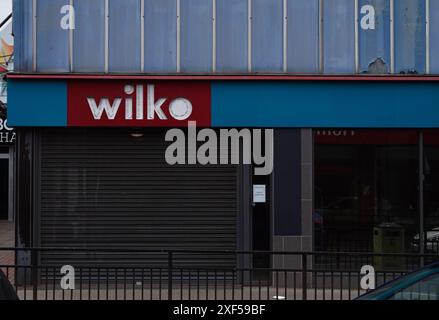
column 4, row 189
column 261, row 229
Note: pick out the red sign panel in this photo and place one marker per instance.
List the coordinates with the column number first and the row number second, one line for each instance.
column 131, row 103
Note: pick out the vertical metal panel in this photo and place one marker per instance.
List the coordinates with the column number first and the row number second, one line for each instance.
column 106, row 36
column 339, row 36
column 196, row 35
column 427, row 37
column 52, row 40
column 178, row 35
column 124, row 35
column 321, row 61
column 213, row 36
column 375, row 43
column 303, row 36
column 71, row 41
column 160, row 35
column 89, row 37
column 356, row 32
column 434, row 37
column 285, row 36
column 22, row 29
column 142, row 36
column 34, row 35
column 410, row 36
column 249, row 35
column 231, row 35
column 267, row 39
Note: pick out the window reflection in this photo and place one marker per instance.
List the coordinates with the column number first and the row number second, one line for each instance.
column 431, row 191
column 366, row 190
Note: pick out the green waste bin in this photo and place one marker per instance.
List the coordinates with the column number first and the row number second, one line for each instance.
column 388, row 238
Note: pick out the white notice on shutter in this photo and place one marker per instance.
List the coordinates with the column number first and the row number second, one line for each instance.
column 259, row 193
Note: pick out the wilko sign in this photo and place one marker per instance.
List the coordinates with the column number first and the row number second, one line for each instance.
column 138, row 103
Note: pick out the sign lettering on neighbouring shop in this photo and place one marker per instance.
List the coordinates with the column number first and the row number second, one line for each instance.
column 7, row 134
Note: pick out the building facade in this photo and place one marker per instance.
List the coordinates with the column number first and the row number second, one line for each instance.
column 7, row 133
column 349, row 87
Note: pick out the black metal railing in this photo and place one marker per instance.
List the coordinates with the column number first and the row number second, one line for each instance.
column 132, row 274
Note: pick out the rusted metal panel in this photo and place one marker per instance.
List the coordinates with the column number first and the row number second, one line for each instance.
column 410, row 36
column 339, row 36
column 374, row 36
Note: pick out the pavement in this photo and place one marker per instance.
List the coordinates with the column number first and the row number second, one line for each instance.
column 244, row 293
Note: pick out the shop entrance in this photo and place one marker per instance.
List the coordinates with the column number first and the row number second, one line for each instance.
column 4, row 188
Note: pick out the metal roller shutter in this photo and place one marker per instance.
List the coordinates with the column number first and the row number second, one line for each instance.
column 104, row 188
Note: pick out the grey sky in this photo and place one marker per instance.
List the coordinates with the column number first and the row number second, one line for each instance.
column 5, row 8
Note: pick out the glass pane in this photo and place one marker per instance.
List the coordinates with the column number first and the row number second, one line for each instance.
column 366, row 191
column 431, row 189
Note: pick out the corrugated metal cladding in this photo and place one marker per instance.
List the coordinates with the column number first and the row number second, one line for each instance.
column 229, row 36
column 107, row 189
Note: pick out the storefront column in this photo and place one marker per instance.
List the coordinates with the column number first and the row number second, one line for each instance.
column 293, row 197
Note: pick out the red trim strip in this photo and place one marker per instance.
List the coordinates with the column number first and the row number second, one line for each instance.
column 224, row 77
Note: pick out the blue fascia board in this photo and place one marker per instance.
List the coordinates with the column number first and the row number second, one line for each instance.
column 325, row 104
column 41, row 103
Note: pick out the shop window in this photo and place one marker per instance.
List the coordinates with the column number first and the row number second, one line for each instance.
column 431, row 189
column 366, row 182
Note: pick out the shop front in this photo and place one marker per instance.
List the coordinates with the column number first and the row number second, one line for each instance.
column 92, row 171
column 94, row 174
column 7, row 156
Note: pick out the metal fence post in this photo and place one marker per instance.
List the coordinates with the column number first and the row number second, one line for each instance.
column 304, row 276
column 34, row 276
column 170, row 275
